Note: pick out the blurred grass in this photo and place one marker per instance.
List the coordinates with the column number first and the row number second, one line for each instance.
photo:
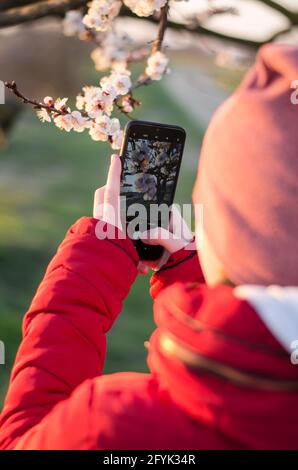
column 47, row 180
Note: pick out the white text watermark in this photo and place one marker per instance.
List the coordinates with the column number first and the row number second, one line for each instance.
column 294, row 354
column 164, row 222
column 2, row 353
column 2, row 92
column 294, row 94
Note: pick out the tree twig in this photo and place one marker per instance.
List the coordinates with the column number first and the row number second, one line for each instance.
column 163, row 20
column 36, row 11
column 8, row 4
column 12, row 86
column 198, row 28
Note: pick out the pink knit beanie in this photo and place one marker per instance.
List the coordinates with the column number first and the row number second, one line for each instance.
column 248, row 174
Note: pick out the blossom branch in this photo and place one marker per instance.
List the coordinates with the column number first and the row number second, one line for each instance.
column 95, row 104
column 194, row 26
column 12, row 86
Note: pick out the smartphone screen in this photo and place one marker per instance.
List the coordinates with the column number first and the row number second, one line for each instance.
column 151, row 157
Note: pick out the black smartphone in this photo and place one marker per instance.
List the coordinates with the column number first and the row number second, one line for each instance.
column 151, row 156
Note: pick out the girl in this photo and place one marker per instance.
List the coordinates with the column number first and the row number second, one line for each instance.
column 220, row 370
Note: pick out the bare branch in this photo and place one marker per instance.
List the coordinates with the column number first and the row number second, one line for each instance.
column 8, row 4
column 12, row 86
column 238, row 40
column 163, row 20
column 194, row 27
column 41, row 9
column 14, row 13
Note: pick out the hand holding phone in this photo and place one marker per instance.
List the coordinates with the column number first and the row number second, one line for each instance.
column 106, row 203
column 151, row 156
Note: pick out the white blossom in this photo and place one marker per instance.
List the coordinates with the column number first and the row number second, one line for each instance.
column 119, row 66
column 100, row 128
column 161, row 158
column 79, row 122
column 93, row 99
column 96, row 100
column 121, row 81
column 145, row 7
column 146, row 184
column 80, row 102
column 105, row 57
column 43, row 115
column 107, row 102
column 101, row 14
column 97, row 134
column 60, row 104
column 108, row 87
column 117, row 140
column 157, row 65
column 102, row 58
column 126, row 104
column 111, row 51
column 73, row 23
column 104, row 128
column 107, row 105
column 64, row 122
column 107, row 125
column 49, row 101
column 140, row 157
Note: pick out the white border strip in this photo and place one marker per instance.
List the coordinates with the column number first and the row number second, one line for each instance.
column 277, row 307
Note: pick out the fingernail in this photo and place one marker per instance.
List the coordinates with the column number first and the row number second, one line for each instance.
column 114, row 156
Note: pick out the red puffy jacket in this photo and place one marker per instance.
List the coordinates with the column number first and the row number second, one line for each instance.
column 219, row 379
